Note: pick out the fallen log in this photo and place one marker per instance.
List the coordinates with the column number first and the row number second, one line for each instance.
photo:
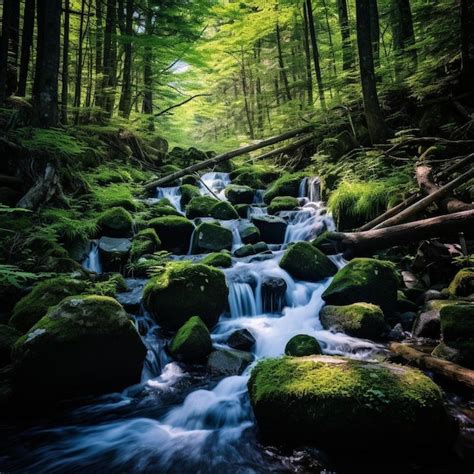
column 447, row 369
column 353, row 244
column 448, row 204
column 227, row 156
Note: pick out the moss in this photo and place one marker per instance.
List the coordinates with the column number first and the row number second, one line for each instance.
column 287, row 185
column 110, row 285
column 463, row 283
column 32, row 307
column 200, row 206
column 190, row 179
column 244, row 251
column 364, row 280
column 242, row 210
column 192, row 341
column 305, row 262
column 219, row 259
column 145, row 242
column 223, row 210
column 347, row 403
column 249, row 234
column 282, row 203
column 239, row 194
column 457, row 323
column 249, row 179
column 264, row 174
column 188, row 192
column 363, row 320
column 211, row 237
column 184, row 290
column 174, row 232
column 302, row 345
column 116, row 222
column 8, row 337
column 162, row 210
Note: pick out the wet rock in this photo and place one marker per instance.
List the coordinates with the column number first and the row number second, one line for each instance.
column 248, row 233
column 131, row 298
column 443, row 351
column 184, row 290
column 287, row 185
column 224, row 211
column 238, row 194
column 242, row 210
column 463, row 283
column 228, row 362
column 250, row 179
column 346, row 403
column 272, row 228
column 362, row 320
column 305, row 262
column 282, row 203
column 242, row 340
column 396, row 333
column 244, row 251
column 431, row 295
column 8, row 337
column 407, row 319
column 192, row 342
column 260, row 247
column 200, row 206
column 188, row 192
column 273, row 294
column 210, row 237
column 404, row 304
column 427, row 323
column 85, row 345
column 115, row 222
column 190, row 179
column 302, row 345
column 218, row 259
column 174, row 232
column 114, row 253
column 146, row 242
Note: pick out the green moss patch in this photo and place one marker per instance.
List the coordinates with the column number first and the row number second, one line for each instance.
column 174, row 232
column 302, row 345
column 283, row 203
column 192, row 341
column 116, row 222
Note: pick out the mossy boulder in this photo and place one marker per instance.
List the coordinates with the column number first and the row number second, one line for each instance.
column 188, row 192
column 174, row 232
column 218, row 259
column 445, row 352
column 242, row 210
column 427, row 322
column 347, row 404
column 8, row 337
column 184, row 290
column 114, row 253
column 200, row 206
column 305, row 262
column 85, row 345
column 262, row 173
column 272, row 228
column 190, row 179
column 244, row 251
column 192, row 342
column 364, row 280
column 210, row 237
column 228, row 362
column 32, row 307
column 238, row 194
column 287, row 185
column 224, row 210
column 144, row 243
column 463, row 283
column 248, row 233
column 250, row 179
column 457, row 322
column 161, row 210
column 115, row 222
column 302, row 345
column 363, row 320
column 283, row 203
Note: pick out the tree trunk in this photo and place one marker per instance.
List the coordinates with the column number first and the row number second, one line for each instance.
column 147, row 70
column 375, row 121
column 99, row 52
column 245, row 94
column 348, row 58
column 80, row 50
column 281, row 63
column 26, row 43
column 375, row 30
column 110, row 57
column 47, row 63
column 13, row 49
column 307, row 53
column 258, row 88
column 467, row 43
column 6, row 20
column 65, row 70
column 126, row 94
column 314, row 45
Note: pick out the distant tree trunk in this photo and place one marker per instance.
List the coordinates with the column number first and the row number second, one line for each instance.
column 26, row 43
column 314, row 44
column 281, row 63
column 110, row 57
column 47, row 63
column 347, row 48
column 307, row 53
column 126, row 94
column 148, row 70
column 277, row 90
column 331, row 44
column 375, row 30
column 99, row 52
column 65, row 70
column 375, row 121
column 245, row 94
column 80, row 51
column 467, row 43
column 14, row 48
column 6, row 21
column 258, row 88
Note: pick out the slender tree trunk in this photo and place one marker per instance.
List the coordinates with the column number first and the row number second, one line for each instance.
column 258, row 89
column 99, row 52
column 47, row 63
column 467, row 43
column 348, row 58
column 26, row 43
column 148, row 70
column 277, row 91
column 375, row 121
column 375, row 30
column 245, row 94
column 307, row 53
column 65, row 70
column 126, row 94
column 14, row 48
column 6, row 21
column 80, row 52
column 314, row 44
column 331, row 44
column 110, row 57
column 281, row 63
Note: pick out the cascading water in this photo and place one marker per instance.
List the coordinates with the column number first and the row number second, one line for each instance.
column 92, row 262
column 173, row 194
column 216, row 182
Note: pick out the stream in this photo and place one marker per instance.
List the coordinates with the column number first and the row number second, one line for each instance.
column 179, row 419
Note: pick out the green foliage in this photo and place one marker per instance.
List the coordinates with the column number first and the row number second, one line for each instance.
column 11, row 275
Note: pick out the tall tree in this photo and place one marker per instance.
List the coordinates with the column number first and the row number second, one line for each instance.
column 80, row 52
column 375, row 29
column 148, row 67
column 4, row 42
column 378, row 129
column 14, row 49
column 127, row 31
column 110, row 59
column 65, row 69
column 99, row 54
column 347, row 48
column 26, row 44
column 281, row 62
column 467, row 42
column 307, row 53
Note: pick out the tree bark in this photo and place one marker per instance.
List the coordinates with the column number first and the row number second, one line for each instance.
column 467, row 46
column 99, row 45
column 348, row 58
column 65, row 70
column 4, row 41
column 26, row 43
column 243, row 78
column 78, row 81
column 375, row 30
column 378, row 130
column 126, row 94
column 110, row 57
column 307, row 53
column 147, row 70
column 281, row 63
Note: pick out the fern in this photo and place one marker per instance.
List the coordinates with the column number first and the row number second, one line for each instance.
column 13, row 276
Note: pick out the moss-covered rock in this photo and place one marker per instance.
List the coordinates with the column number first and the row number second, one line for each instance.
column 302, row 345
column 224, row 210
column 244, row 251
column 263, row 173
column 282, row 203
column 242, row 210
column 190, row 179
column 248, row 233
column 115, row 222
column 364, row 280
column 228, row 362
column 85, row 345
column 347, row 403
column 287, row 185
column 8, row 337
column 250, row 179
column 238, row 194
column 218, row 259
column 184, row 290
column 161, row 210
column 210, row 237
column 174, row 232
column 363, row 320
column 188, row 192
column 144, row 243
column 32, row 307
column 200, row 206
column 443, row 351
column 457, row 322
column 272, row 228
column 192, row 342
column 463, row 283
column 305, row 262
column 114, row 253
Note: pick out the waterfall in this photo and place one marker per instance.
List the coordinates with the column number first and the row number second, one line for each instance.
column 242, row 301
column 216, row 182
column 314, row 190
column 92, row 261
column 302, row 188
column 258, row 197
column 233, row 226
column 173, row 194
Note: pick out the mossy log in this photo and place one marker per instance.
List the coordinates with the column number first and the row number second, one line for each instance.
column 447, row 369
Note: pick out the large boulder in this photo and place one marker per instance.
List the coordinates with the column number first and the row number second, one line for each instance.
column 272, row 228
column 218, row 259
column 238, row 194
column 210, row 237
column 248, row 233
column 183, row 290
column 188, row 193
column 287, row 185
column 192, row 341
column 115, row 222
column 305, row 262
column 32, row 307
column 85, row 345
column 347, row 403
column 8, row 337
column 363, row 320
column 224, row 210
column 145, row 242
column 302, row 345
column 364, row 280
column 427, row 322
column 242, row 340
column 114, row 253
column 200, row 206
column 228, row 362
column 463, row 283
column 174, row 232
column 273, row 294
column 283, row 203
